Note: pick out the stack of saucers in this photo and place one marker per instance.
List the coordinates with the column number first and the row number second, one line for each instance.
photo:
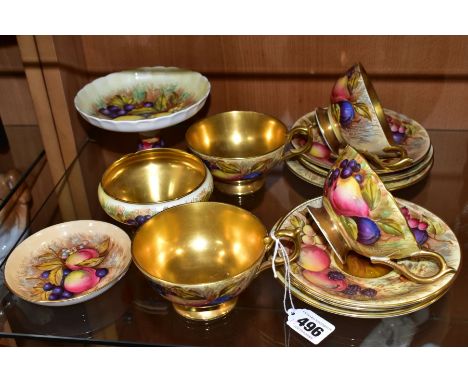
column 313, row 167
column 324, row 283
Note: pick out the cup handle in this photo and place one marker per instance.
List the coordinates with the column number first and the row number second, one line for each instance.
column 401, row 153
column 444, row 269
column 299, row 130
column 293, row 235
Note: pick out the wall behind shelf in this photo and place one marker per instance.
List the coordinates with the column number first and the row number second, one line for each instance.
column 424, row 77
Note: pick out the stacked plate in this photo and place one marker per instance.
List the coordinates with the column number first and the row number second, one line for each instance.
column 333, row 289
column 313, row 167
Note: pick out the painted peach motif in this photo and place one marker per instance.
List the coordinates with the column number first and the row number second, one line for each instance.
column 81, row 280
column 71, row 270
column 313, row 258
column 76, row 258
column 319, row 150
column 340, row 90
column 346, row 198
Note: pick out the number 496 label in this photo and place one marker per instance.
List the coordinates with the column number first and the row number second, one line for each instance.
column 309, row 325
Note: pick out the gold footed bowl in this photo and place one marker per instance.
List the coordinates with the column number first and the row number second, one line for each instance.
column 241, row 147
column 201, row 256
column 141, row 184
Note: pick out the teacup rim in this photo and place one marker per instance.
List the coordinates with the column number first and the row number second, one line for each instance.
column 154, row 278
column 142, row 152
column 282, row 146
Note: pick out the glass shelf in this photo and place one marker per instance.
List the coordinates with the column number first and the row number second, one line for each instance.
column 132, row 313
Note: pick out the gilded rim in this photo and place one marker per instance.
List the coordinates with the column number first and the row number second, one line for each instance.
column 139, row 153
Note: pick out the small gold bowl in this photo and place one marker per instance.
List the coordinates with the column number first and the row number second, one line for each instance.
column 201, row 256
column 139, row 185
column 240, row 147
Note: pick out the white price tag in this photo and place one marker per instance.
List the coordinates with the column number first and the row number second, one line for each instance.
column 309, row 325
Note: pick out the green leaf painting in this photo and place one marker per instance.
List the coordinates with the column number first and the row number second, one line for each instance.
column 350, row 226
column 371, row 193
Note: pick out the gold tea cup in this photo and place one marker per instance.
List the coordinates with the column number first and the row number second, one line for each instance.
column 356, row 117
column 359, row 214
column 240, row 147
column 201, row 256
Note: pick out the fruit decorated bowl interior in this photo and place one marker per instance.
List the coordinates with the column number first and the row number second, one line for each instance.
column 144, row 99
column 236, row 134
column 153, row 176
column 68, row 263
column 199, row 243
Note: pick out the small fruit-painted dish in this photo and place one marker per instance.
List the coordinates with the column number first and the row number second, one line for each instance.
column 377, row 290
column 319, row 180
column 406, row 132
column 142, row 100
column 68, row 263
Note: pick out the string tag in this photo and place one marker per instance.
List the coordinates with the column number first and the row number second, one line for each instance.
column 303, row 321
column 309, row 325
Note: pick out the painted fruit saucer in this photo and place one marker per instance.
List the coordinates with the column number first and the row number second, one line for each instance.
column 68, row 263
column 318, row 180
column 317, row 276
column 386, row 178
column 413, row 137
column 343, row 311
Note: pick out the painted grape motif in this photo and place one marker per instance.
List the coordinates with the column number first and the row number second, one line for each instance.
column 70, row 271
column 418, row 227
column 137, row 105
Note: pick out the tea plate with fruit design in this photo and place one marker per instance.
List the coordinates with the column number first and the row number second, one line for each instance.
column 68, row 263
column 142, row 100
column 406, row 132
column 318, row 180
column 386, row 178
column 349, row 312
column 378, row 289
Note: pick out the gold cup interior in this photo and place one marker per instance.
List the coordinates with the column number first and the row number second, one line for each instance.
column 153, row 176
column 236, row 134
column 199, row 243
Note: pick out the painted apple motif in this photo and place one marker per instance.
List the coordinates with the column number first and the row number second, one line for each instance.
column 81, row 255
column 319, row 150
column 346, row 198
column 81, row 280
column 322, row 280
column 313, row 258
column 340, row 91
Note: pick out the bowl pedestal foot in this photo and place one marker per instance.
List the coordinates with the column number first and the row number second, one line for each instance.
column 205, row 313
column 240, row 187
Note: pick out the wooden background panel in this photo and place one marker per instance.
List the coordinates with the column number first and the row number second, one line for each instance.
column 434, row 104
column 310, row 55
